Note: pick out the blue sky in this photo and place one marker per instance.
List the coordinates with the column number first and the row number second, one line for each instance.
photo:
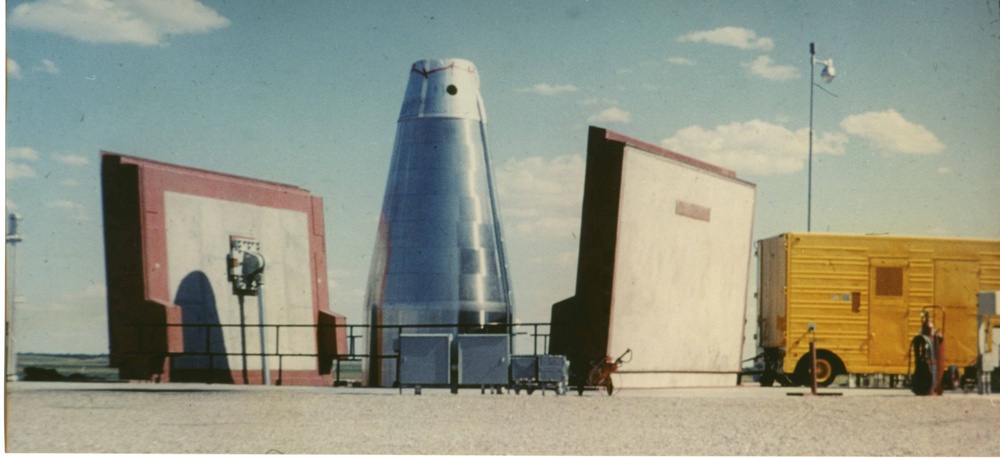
column 307, row 93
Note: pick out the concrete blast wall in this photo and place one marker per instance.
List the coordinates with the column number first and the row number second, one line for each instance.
column 665, row 248
column 172, row 314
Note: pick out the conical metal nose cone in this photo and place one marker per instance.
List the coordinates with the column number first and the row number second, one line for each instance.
column 443, row 88
column 438, row 257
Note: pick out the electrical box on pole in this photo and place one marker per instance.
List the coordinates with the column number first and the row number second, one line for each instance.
column 245, row 267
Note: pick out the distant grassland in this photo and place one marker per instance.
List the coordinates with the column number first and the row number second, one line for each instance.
column 94, row 367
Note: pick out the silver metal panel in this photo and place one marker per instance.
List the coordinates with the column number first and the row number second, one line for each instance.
column 987, row 303
column 483, row 359
column 419, row 287
column 523, row 367
column 553, row 368
column 439, row 242
column 425, row 359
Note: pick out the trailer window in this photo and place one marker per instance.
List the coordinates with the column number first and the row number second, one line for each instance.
column 888, row 281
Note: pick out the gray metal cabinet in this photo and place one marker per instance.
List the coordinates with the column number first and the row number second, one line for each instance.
column 483, row 359
column 424, row 359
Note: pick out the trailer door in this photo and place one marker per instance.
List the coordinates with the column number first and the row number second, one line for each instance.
column 772, row 292
column 887, row 312
column 955, row 286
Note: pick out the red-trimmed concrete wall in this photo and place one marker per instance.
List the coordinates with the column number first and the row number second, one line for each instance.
column 166, row 239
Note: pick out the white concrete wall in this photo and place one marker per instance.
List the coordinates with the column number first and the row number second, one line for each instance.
column 197, row 233
column 681, row 272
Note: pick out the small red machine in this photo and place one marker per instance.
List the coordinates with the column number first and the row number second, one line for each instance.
column 600, row 374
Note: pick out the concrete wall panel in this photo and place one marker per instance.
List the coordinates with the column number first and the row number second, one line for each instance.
column 665, row 245
column 167, row 232
column 198, row 230
column 679, row 293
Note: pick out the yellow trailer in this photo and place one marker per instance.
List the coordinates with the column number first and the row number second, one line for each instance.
column 864, row 295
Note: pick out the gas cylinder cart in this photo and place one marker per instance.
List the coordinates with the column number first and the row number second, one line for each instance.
column 927, row 350
column 600, row 374
column 533, row 372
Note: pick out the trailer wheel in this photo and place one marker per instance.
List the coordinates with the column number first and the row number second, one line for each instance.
column 828, row 367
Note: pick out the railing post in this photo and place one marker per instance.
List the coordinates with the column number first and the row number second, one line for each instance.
column 399, row 347
column 812, row 352
column 277, row 349
column 534, row 337
column 208, row 346
column 351, row 337
column 264, row 370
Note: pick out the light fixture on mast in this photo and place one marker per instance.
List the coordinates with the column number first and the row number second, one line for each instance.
column 827, row 74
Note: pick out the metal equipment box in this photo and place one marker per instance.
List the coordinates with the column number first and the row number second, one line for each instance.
column 424, row 359
column 523, row 368
column 987, row 303
column 988, row 374
column 483, row 359
column 532, row 372
column 553, row 368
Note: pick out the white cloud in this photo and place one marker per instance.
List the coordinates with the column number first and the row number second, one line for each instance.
column 546, row 89
column 141, row 22
column 13, row 70
column 755, row 146
column 10, row 204
column 47, row 66
column 16, row 171
column 944, row 170
column 69, row 183
column 542, row 197
column 22, row 152
column 74, row 210
column 71, row 159
column 730, row 36
column 889, row 131
column 15, row 166
column 680, row 61
column 764, row 67
column 611, row 115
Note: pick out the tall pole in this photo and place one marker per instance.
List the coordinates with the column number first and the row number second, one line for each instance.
column 243, row 338
column 812, row 66
column 10, row 371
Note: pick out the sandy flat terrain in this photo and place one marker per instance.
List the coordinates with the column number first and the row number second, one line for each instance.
column 178, row 418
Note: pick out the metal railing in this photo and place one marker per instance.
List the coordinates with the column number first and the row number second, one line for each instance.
column 538, row 336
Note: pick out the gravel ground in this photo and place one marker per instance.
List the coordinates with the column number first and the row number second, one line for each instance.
column 130, row 418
